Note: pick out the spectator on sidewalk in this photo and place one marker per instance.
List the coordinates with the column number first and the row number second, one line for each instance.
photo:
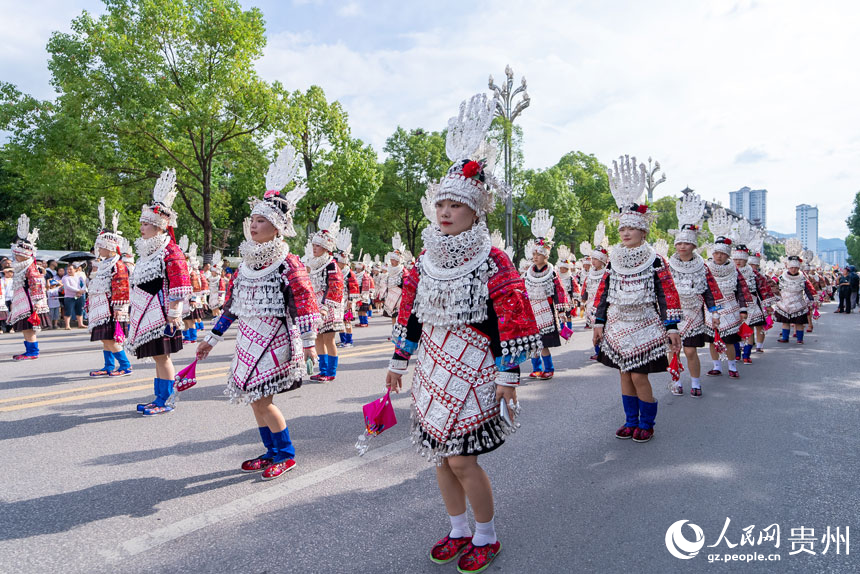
column 73, row 297
column 855, row 285
column 51, row 270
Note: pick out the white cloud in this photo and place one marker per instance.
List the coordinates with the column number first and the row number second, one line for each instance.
column 698, row 86
column 756, row 93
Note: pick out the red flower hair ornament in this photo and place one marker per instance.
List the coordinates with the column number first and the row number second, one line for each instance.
column 471, row 169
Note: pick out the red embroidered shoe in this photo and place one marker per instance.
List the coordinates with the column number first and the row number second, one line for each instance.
column 593, row 357
column 256, row 464
column 276, row 469
column 448, row 549
column 747, row 361
column 23, row 357
column 642, row 435
column 546, row 375
column 625, row 432
column 696, row 392
column 678, row 390
column 121, row 373
column 478, row 558
column 535, row 375
column 317, row 377
column 326, row 379
column 734, row 374
column 715, row 373
column 757, row 350
column 781, row 340
column 100, row 373
column 799, row 342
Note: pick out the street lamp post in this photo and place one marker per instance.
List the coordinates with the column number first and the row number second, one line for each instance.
column 650, row 179
column 505, row 108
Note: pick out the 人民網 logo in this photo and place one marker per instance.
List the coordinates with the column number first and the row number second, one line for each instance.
column 677, row 543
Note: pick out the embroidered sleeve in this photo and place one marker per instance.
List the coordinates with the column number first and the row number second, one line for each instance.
column 302, row 303
column 195, row 281
column 119, row 289
column 562, row 301
column 403, row 333
column 601, row 299
column 810, row 290
column 178, row 281
column 36, row 288
column 518, row 332
column 334, row 286
column 204, row 282
column 583, row 293
column 668, row 301
column 742, row 293
column 712, row 295
column 768, row 297
column 354, row 288
column 575, row 289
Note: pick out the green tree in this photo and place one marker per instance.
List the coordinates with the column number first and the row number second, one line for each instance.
column 852, row 243
column 667, row 218
column 338, row 167
column 150, row 85
column 593, row 198
column 415, row 158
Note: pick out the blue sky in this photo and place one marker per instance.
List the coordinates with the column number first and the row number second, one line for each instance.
column 724, row 93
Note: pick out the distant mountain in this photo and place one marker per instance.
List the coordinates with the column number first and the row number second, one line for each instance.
column 824, row 244
column 830, row 244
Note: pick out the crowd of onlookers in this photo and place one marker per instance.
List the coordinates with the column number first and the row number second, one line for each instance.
column 66, row 289
column 847, row 289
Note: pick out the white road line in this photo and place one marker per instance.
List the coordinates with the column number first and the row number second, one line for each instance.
column 289, row 484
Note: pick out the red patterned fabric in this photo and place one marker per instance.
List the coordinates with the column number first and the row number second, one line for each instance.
column 410, row 285
column 204, row 282
column 810, row 290
column 178, row 281
column 36, row 285
column 119, row 287
column 366, row 282
column 509, row 297
column 334, row 284
column 765, row 289
column 194, row 276
column 713, row 286
column 303, row 293
column 745, row 290
column 560, row 293
column 352, row 285
column 670, row 292
column 601, row 290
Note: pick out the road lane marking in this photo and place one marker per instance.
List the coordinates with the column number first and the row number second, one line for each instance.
column 90, row 387
column 120, row 391
column 126, row 386
column 289, row 485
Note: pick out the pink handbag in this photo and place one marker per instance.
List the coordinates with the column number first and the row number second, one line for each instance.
column 186, row 378
column 378, row 416
column 566, row 332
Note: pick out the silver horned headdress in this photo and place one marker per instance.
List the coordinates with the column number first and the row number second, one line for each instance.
column 160, row 212
column 627, row 183
column 278, row 208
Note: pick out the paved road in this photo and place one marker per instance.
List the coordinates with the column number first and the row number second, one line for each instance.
column 90, row 486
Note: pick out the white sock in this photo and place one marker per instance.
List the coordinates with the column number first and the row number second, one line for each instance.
column 759, row 345
column 718, row 365
column 459, row 526
column 733, row 365
column 695, row 382
column 485, row 533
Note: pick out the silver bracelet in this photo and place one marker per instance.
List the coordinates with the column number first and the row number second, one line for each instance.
column 398, row 366
column 212, row 339
column 507, row 379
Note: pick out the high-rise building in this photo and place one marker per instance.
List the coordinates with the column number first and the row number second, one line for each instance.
column 806, row 226
column 751, row 203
